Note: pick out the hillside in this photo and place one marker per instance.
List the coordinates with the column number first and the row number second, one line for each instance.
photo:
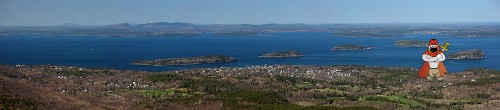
column 253, row 87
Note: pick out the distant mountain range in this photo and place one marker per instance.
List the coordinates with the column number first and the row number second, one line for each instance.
column 120, row 25
column 166, row 24
column 159, row 29
column 70, row 24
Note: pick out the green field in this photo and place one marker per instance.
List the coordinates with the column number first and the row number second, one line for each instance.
column 394, row 98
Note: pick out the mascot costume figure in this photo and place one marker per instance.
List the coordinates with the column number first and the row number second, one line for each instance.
column 433, row 67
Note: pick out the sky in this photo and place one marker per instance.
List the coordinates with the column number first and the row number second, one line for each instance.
column 105, row 12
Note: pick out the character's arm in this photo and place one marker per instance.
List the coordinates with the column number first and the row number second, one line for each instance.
column 428, row 58
column 441, row 57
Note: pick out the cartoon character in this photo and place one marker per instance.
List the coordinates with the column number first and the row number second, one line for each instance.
column 433, row 66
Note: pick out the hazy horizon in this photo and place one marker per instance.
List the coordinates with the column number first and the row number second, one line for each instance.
column 94, row 12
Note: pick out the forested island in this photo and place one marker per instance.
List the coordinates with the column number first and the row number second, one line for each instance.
column 283, row 54
column 468, row 55
column 187, row 61
column 352, row 47
column 411, row 43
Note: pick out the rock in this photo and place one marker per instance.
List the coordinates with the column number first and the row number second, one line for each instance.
column 411, row 43
column 187, row 61
column 468, row 55
column 283, row 54
column 352, row 47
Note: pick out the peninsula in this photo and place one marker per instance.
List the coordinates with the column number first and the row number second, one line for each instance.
column 186, row 61
column 283, row 54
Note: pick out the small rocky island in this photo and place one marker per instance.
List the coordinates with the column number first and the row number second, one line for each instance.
column 283, row 54
column 468, row 55
column 411, row 43
column 187, row 61
column 352, row 47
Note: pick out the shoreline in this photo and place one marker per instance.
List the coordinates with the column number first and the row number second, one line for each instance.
column 247, row 66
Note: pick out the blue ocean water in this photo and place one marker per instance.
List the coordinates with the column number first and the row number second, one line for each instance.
column 118, row 52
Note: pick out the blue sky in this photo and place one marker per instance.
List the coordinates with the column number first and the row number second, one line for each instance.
column 102, row 12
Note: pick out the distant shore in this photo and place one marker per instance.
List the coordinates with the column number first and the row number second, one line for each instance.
column 167, row 29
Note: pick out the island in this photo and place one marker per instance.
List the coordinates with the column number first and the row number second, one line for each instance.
column 283, row 54
column 411, row 43
column 186, row 61
column 472, row 54
column 352, row 47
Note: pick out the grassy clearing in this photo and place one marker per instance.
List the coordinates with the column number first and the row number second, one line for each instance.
column 305, row 85
column 179, row 92
column 154, row 93
column 332, row 91
column 394, row 98
column 164, row 77
column 267, row 100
